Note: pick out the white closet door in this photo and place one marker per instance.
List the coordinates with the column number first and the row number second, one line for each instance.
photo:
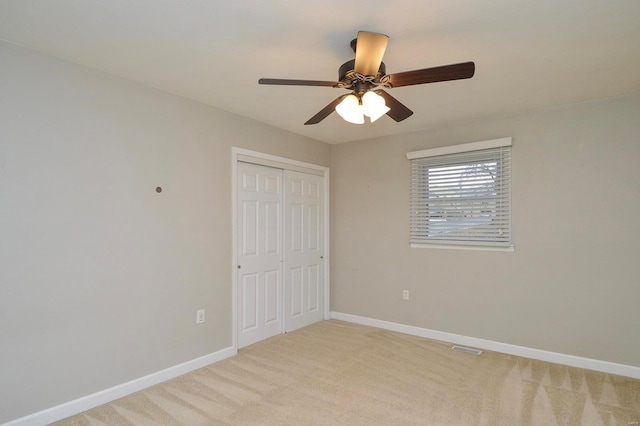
column 260, row 253
column 304, row 249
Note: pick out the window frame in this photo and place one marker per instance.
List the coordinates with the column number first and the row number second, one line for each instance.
column 425, row 242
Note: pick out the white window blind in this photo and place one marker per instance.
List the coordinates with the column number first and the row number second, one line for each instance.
column 462, row 194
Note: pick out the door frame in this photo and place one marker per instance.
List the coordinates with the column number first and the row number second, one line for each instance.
column 260, row 158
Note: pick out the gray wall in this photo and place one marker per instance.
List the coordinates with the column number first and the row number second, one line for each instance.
column 572, row 285
column 100, row 276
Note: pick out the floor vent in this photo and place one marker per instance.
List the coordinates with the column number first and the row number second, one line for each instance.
column 467, row 350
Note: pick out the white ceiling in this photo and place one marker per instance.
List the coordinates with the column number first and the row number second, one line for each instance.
column 528, row 54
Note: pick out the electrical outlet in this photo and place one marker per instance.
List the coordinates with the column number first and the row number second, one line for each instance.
column 405, row 294
column 199, row 316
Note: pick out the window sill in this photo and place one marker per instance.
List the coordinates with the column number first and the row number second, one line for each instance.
column 510, row 248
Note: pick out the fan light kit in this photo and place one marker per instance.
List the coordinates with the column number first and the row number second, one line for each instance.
column 353, row 109
column 365, row 76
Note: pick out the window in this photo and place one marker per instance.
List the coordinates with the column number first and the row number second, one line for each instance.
column 461, row 195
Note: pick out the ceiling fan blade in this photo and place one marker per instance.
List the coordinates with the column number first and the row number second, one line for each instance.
column 370, row 49
column 433, row 75
column 287, row 82
column 397, row 110
column 325, row 112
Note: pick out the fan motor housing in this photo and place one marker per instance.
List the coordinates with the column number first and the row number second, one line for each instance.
column 347, row 67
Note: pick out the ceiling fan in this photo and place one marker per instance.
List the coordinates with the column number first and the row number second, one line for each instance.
column 365, row 77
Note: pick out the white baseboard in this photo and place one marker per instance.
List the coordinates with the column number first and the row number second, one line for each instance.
column 85, row 403
column 558, row 358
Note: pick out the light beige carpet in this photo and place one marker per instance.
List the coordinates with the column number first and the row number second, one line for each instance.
column 337, row 373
